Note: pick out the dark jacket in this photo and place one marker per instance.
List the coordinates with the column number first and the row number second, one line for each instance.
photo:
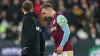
column 32, row 41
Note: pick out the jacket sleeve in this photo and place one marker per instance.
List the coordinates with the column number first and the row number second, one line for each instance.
column 42, row 40
column 41, row 37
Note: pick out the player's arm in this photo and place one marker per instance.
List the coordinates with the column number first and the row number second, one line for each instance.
column 62, row 21
column 41, row 37
column 42, row 41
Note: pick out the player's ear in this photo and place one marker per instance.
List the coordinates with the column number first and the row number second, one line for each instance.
column 32, row 9
column 22, row 9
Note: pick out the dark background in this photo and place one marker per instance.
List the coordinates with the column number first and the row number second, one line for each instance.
column 83, row 19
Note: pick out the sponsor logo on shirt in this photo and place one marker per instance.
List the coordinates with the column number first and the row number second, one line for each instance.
column 38, row 28
column 54, row 21
column 63, row 21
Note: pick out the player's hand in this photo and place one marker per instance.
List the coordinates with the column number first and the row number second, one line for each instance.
column 59, row 50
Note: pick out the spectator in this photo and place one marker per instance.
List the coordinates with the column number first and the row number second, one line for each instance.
column 6, row 6
column 36, row 6
column 16, row 12
column 3, row 24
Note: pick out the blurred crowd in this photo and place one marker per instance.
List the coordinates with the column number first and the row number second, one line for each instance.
column 82, row 15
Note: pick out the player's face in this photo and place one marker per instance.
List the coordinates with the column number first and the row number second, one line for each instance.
column 45, row 12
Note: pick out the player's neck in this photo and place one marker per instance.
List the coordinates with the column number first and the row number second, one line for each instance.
column 52, row 14
column 25, row 13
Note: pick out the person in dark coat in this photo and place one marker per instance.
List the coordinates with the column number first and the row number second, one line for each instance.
column 32, row 41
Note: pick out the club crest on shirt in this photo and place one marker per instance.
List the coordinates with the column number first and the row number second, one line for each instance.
column 54, row 21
